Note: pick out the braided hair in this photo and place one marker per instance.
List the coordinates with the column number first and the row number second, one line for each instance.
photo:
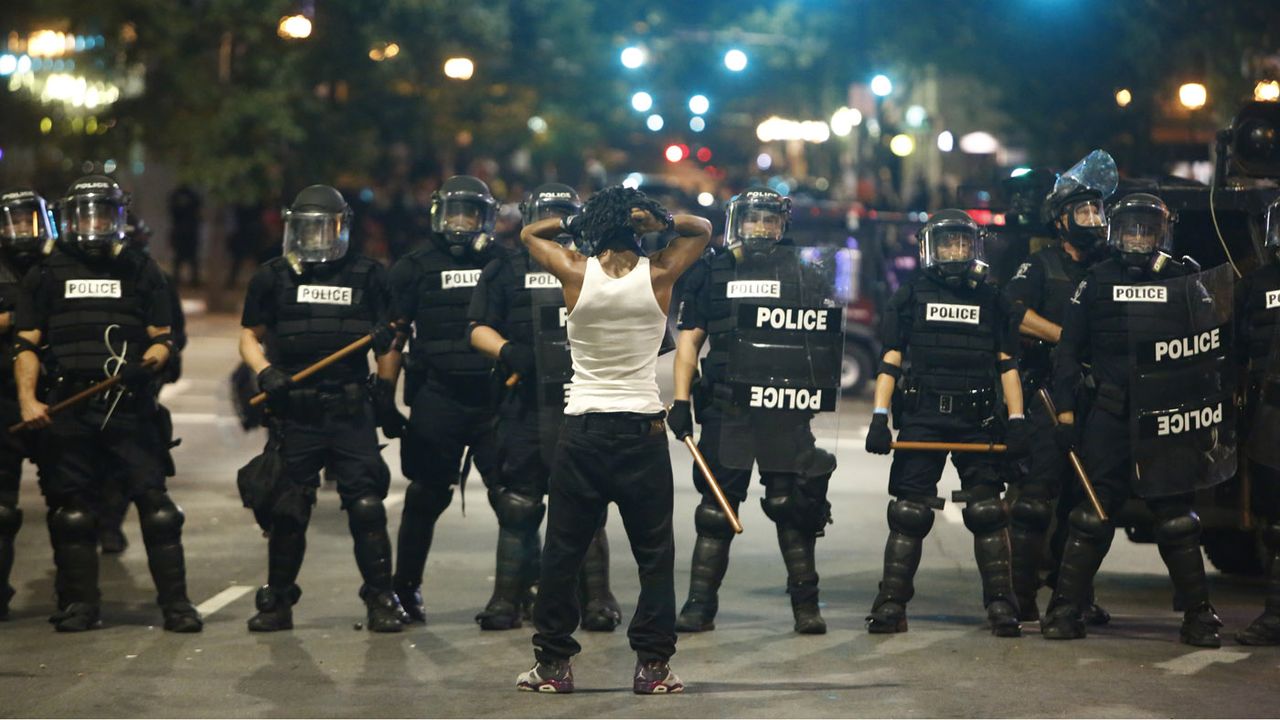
column 606, row 218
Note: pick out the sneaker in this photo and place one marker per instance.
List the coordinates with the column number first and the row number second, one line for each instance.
column 655, row 678
column 547, row 677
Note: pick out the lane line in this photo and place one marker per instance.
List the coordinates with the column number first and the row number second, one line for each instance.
column 223, row 599
column 193, row 418
column 952, row 513
column 173, row 390
column 1194, row 662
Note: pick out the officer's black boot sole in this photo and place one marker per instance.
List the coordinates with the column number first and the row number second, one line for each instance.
column 887, row 618
column 1200, row 627
column 1061, row 622
column 808, row 620
column 271, row 621
column 275, row 608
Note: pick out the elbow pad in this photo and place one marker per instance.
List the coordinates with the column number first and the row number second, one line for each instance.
column 1007, row 365
column 21, row 345
column 891, row 370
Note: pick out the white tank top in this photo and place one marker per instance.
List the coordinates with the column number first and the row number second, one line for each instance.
column 615, row 331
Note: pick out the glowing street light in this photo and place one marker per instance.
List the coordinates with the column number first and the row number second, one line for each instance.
column 699, row 104
column 674, row 154
column 735, row 60
column 294, row 27
column 902, row 145
column 633, row 57
column 697, row 124
column 946, row 141
column 1193, row 96
column 459, row 68
column 1267, row 91
column 881, row 85
column 654, row 122
column 916, row 115
column 1123, row 97
column 642, row 101
column 844, row 120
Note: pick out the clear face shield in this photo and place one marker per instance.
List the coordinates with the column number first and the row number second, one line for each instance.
column 95, row 225
column 462, row 218
column 1088, row 214
column 951, row 246
column 25, row 227
column 1139, row 232
column 316, row 237
column 757, row 224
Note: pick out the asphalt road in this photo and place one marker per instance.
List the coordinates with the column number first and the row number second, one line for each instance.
column 752, row 666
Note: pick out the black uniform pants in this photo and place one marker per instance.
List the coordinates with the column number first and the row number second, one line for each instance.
column 915, row 474
column 522, row 467
column 82, row 453
column 601, row 458
column 344, row 443
column 441, row 428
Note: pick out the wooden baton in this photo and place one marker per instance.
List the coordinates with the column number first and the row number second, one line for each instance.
column 950, row 447
column 307, row 372
column 1074, row 458
column 81, row 396
column 707, row 475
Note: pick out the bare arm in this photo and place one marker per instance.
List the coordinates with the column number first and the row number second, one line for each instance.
column 567, row 265
column 1035, row 325
column 1012, row 384
column 26, row 371
column 158, row 352
column 251, row 348
column 668, row 264
column 6, row 322
column 885, row 383
column 688, row 345
column 389, row 365
column 487, row 341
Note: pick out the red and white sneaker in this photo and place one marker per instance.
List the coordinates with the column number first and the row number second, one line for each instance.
column 655, row 678
column 547, row 677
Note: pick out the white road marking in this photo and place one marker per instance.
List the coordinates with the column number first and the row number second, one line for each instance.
column 173, row 390
column 1194, row 662
column 952, row 513
column 190, row 418
column 223, row 599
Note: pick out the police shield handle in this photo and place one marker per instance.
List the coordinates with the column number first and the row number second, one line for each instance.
column 721, row 500
column 1074, row 458
column 949, row 447
column 83, row 395
column 307, row 372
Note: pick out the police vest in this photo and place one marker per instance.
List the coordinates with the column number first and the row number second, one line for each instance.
column 731, row 284
column 10, row 285
column 1117, row 299
column 952, row 345
column 94, row 305
column 317, row 315
column 1262, row 308
column 440, row 346
column 1061, row 276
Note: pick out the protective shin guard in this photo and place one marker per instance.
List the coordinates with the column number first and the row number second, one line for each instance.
column 988, row 519
column 422, row 507
column 802, row 578
column 1265, row 629
column 10, row 521
column 1088, row 540
column 909, row 523
column 710, row 561
column 1030, row 518
column 600, row 611
column 1178, row 537
column 73, row 533
column 367, row 520
column 286, row 547
column 503, row 611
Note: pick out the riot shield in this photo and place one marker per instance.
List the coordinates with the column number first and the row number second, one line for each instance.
column 1181, row 389
column 551, row 355
column 784, row 358
column 1263, row 398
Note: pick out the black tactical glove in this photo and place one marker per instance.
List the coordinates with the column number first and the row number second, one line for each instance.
column 680, row 419
column 879, row 437
column 1017, row 438
column 1065, row 436
column 276, row 384
column 572, row 225
column 385, row 412
column 135, row 375
column 383, row 337
column 519, row 359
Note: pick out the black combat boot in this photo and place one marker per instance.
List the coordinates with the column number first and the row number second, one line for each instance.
column 367, row 520
column 600, row 611
column 275, row 608
column 422, row 507
column 909, row 523
column 1087, row 544
column 1265, row 630
column 988, row 520
column 802, row 578
column 411, row 602
column 710, row 561
column 162, row 522
column 73, row 533
column 503, row 610
column 1178, row 537
column 1030, row 518
column 384, row 612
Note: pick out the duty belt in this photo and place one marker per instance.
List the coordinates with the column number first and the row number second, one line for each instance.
column 973, row 403
column 631, row 424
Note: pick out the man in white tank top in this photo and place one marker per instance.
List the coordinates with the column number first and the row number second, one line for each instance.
column 613, row 445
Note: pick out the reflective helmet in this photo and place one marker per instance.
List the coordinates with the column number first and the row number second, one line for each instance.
column 551, row 200
column 463, row 213
column 756, row 219
column 1075, row 207
column 1140, row 230
column 1273, row 228
column 26, row 224
column 951, row 248
column 93, row 217
column 317, row 227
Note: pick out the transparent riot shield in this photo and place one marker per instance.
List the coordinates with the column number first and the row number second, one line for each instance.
column 784, row 359
column 551, row 355
column 1182, row 418
column 1263, row 402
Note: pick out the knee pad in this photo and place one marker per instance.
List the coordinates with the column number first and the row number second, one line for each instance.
column 10, row 520
column 1086, row 522
column 710, row 521
column 1031, row 512
column 367, row 513
column 161, row 519
column 985, row 516
column 1182, row 529
column 777, row 502
column 910, row 518
column 73, row 525
column 818, row 464
column 517, row 511
column 425, row 498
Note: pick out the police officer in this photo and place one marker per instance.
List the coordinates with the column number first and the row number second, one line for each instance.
column 1039, row 291
column 1257, row 314
column 305, row 305
column 104, row 310
column 447, row 384
column 27, row 235
column 508, row 302
column 795, row 497
column 948, row 339
column 1099, row 325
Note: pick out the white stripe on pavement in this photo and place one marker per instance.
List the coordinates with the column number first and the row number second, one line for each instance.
column 173, row 390
column 952, row 513
column 190, row 418
column 223, row 599
column 1194, row 662
column 393, row 499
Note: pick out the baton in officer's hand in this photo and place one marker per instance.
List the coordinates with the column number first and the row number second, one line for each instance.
column 307, row 372
column 710, row 477
column 83, row 395
column 1074, row 458
column 949, row 446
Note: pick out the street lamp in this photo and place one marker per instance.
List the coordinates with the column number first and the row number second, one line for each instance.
column 1266, row 91
column 294, row 27
column 1193, row 96
column 1123, row 97
column 735, row 60
column 699, row 104
column 459, row 68
column 654, row 122
column 633, row 57
column 902, row 145
column 881, row 85
column 844, row 120
column 642, row 101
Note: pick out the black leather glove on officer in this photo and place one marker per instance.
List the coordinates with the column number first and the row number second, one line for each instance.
column 1017, row 437
column 519, row 358
column 879, row 436
column 383, row 338
column 1065, row 436
column 135, row 375
column 385, row 412
column 680, row 419
column 276, row 384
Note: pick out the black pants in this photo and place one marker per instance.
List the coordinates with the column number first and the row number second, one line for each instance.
column 518, row 438
column 602, row 458
column 82, row 453
column 343, row 444
column 14, row 448
column 915, row 474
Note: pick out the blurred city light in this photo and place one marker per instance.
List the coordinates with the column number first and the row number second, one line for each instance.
column 654, row 122
column 881, row 85
column 916, row 116
column 294, row 27
column 642, row 101
column 776, row 128
column 537, row 125
column 1193, row 96
column 902, row 145
column 699, row 104
column 1264, row 91
column 764, row 161
column 1019, row 172
column 697, row 124
column 46, row 125
column 391, row 50
column 632, row 181
column 873, row 127
column 706, row 199
column 844, row 120
column 979, row 143
column 735, row 60
column 633, row 57
column 704, row 154
column 674, row 154
column 459, row 68
column 1124, row 97
column 946, row 141
column 8, row 64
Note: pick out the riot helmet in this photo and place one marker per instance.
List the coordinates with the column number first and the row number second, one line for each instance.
column 93, row 217
column 1075, row 207
column 756, row 219
column 138, row 232
column 951, row 248
column 1141, row 231
column 551, row 200
column 463, row 213
column 26, row 224
column 1273, row 228
column 317, row 227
